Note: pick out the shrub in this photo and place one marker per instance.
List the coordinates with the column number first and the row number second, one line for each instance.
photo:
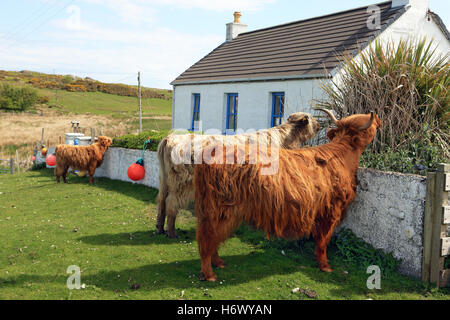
column 355, row 250
column 43, row 100
column 407, row 86
column 67, row 79
column 17, row 98
column 132, row 141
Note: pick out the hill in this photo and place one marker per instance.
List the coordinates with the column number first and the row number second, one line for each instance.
column 111, row 108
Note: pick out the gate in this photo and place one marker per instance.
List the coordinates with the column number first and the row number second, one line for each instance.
column 437, row 220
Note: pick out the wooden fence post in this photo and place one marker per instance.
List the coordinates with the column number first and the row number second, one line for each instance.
column 428, row 226
column 17, row 161
column 440, row 243
column 11, row 166
column 92, row 135
column 42, row 137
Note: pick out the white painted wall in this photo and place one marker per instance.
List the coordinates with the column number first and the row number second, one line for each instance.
column 415, row 24
column 255, row 102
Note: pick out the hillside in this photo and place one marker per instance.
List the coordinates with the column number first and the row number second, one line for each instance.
column 81, row 96
column 111, row 108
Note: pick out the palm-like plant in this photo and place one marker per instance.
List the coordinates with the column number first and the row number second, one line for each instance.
column 407, row 85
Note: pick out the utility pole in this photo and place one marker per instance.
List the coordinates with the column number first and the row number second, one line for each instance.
column 140, row 102
column 56, row 89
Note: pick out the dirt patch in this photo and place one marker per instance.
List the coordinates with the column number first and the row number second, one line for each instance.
column 158, row 118
column 24, row 129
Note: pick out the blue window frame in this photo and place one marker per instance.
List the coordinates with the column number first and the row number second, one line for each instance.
column 195, row 112
column 232, row 111
column 277, row 108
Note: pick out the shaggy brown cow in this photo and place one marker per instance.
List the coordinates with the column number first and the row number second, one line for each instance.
column 308, row 196
column 176, row 188
column 85, row 158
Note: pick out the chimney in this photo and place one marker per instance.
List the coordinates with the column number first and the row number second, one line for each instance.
column 235, row 28
column 418, row 5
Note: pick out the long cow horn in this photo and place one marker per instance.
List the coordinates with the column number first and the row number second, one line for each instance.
column 369, row 123
column 333, row 118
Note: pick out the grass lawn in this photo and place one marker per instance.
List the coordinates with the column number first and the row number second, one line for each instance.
column 108, row 231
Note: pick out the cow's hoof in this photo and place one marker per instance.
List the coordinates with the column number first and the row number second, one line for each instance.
column 172, row 236
column 211, row 278
column 220, row 264
column 326, row 269
column 160, row 232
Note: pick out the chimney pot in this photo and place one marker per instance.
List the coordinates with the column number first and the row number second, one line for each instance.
column 235, row 28
column 237, row 17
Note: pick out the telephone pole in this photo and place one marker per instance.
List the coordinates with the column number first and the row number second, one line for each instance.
column 140, row 102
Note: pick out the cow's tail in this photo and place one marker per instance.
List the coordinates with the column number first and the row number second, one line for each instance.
column 163, row 187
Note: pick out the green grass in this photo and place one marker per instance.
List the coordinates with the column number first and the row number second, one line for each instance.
column 106, row 104
column 115, row 246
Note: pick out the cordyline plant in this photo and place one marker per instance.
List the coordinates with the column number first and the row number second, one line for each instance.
column 407, row 85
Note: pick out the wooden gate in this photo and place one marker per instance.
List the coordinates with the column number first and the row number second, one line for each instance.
column 437, row 218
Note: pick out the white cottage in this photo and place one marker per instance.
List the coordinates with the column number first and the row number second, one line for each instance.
column 255, row 79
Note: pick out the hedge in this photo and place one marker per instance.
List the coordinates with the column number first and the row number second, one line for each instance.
column 132, row 141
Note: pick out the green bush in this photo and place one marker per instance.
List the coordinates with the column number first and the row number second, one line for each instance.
column 406, row 84
column 421, row 155
column 17, row 98
column 132, row 141
column 355, row 250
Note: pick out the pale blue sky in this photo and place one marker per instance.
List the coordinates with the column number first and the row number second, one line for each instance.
column 110, row 40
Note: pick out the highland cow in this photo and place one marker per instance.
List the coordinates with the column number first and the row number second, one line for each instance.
column 308, row 196
column 85, row 158
column 176, row 188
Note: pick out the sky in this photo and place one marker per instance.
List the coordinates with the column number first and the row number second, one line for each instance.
column 111, row 40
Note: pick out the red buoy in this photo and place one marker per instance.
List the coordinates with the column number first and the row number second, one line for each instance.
column 51, row 160
column 136, row 172
column 33, row 158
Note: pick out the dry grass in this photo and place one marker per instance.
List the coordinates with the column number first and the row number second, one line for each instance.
column 20, row 131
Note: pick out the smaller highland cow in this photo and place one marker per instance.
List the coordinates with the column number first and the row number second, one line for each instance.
column 85, row 158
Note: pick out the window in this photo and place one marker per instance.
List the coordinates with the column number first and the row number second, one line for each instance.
column 196, row 112
column 277, row 108
column 232, row 111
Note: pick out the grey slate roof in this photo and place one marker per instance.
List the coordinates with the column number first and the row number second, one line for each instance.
column 301, row 49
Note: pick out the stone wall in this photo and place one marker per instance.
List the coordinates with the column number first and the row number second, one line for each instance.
column 388, row 213
column 117, row 161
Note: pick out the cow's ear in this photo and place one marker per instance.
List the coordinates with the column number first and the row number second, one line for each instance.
column 331, row 133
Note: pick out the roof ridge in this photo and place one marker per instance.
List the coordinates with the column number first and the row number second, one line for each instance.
column 440, row 23
column 313, row 18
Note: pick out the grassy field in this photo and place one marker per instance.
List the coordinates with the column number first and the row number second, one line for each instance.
column 100, row 103
column 114, row 115
column 108, row 231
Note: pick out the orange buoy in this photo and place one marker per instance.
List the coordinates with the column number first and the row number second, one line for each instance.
column 136, row 172
column 51, row 160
